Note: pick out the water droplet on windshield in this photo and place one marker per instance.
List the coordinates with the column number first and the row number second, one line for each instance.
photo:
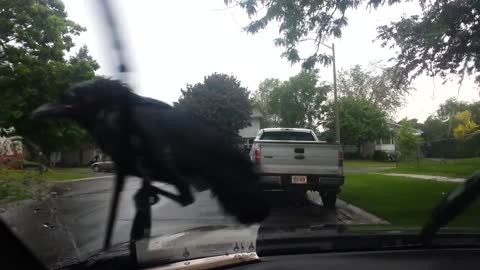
column 49, row 226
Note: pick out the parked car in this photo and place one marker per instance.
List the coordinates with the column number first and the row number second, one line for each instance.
column 103, row 166
column 293, row 160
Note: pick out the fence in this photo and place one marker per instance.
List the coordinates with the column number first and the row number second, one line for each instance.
column 451, row 148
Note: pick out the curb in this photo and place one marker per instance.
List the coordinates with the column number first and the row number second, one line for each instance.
column 86, row 179
column 361, row 212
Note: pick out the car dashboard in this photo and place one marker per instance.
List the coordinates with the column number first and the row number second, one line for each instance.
column 416, row 259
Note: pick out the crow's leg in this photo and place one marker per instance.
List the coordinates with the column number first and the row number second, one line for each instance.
column 118, row 187
column 185, row 194
column 184, row 198
column 142, row 221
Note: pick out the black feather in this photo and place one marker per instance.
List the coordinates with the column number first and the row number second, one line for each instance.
column 168, row 145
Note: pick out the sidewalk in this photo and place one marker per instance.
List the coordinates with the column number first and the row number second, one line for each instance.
column 429, row 177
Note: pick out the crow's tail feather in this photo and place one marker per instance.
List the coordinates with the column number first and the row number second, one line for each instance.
column 238, row 192
column 246, row 203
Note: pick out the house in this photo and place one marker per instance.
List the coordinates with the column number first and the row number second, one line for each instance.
column 249, row 133
column 78, row 157
column 386, row 144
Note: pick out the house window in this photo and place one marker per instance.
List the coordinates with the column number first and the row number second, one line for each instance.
column 386, row 140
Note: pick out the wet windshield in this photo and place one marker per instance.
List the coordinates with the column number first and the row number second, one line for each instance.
column 161, row 104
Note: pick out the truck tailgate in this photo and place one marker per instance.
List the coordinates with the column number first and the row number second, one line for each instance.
column 285, row 157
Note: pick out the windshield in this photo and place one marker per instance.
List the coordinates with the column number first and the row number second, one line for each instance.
column 153, row 108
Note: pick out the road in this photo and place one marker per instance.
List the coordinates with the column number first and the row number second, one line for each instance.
column 70, row 225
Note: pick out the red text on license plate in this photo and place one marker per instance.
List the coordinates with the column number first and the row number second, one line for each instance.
column 299, row 179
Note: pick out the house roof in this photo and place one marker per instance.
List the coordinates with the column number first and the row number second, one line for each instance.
column 391, row 123
column 395, row 125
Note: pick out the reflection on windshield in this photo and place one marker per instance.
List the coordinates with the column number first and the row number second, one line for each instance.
column 176, row 143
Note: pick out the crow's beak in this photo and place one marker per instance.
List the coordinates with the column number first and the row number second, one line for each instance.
column 51, row 110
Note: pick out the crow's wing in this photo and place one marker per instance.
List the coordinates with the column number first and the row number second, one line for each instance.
column 139, row 100
column 200, row 153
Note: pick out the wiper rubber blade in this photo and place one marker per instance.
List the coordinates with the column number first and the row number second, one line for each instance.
column 453, row 205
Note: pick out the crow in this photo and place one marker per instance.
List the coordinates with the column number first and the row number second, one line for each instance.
column 150, row 139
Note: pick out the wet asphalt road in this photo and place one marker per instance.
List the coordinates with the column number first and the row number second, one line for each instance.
column 70, row 225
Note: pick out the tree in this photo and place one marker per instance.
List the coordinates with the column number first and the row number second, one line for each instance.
column 360, row 122
column 442, row 40
column 407, row 140
column 434, row 129
column 378, row 85
column 413, row 122
column 466, row 128
column 36, row 35
column 440, row 125
column 451, row 106
column 301, row 21
column 220, row 100
column 294, row 103
column 260, row 100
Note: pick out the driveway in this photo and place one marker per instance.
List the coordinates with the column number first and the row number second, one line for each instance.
column 70, row 225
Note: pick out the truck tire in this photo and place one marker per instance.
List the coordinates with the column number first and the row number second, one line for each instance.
column 329, row 198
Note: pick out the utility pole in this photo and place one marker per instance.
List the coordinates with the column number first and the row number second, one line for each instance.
column 335, row 98
column 337, row 112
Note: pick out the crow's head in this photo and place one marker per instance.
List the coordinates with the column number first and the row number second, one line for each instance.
column 83, row 101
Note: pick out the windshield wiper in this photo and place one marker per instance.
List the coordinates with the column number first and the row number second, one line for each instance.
column 449, row 208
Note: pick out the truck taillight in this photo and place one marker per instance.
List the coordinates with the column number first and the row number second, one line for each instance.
column 257, row 155
column 340, row 158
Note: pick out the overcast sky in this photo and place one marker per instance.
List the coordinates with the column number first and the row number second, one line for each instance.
column 172, row 43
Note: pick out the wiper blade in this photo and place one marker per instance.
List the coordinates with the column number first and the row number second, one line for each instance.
column 453, row 205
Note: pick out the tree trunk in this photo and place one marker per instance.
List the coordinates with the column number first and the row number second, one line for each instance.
column 80, row 157
column 359, row 150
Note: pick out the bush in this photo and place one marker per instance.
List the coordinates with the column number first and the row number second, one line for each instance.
column 350, row 155
column 379, row 155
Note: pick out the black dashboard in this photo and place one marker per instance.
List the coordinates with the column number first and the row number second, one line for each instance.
column 437, row 259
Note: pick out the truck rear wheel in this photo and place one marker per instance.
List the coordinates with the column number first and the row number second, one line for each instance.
column 329, row 198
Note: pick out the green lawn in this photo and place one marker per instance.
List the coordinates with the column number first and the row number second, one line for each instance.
column 360, row 163
column 402, row 201
column 61, row 174
column 453, row 167
column 24, row 184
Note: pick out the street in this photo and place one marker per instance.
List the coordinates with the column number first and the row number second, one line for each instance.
column 70, row 225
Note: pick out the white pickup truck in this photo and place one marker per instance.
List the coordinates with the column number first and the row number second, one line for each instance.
column 293, row 160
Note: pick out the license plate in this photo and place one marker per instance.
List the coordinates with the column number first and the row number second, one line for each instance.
column 299, row 179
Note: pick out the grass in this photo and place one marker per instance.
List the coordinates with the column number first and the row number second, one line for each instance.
column 51, row 175
column 25, row 184
column 454, row 167
column 403, row 202
column 366, row 163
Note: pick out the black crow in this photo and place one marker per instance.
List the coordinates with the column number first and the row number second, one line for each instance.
column 162, row 143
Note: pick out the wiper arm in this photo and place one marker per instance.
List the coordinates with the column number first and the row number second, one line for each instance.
column 453, row 205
